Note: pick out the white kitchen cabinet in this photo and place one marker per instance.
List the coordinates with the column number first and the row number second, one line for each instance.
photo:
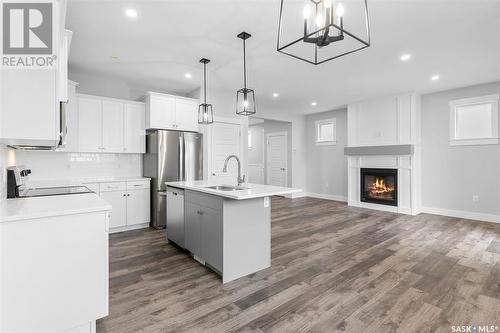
column 89, row 124
column 138, row 206
column 118, row 202
column 71, row 120
column 186, row 114
column 108, row 125
column 134, row 128
column 171, row 112
column 112, row 127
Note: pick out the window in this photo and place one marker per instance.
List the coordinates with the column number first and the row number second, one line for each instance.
column 326, row 132
column 474, row 121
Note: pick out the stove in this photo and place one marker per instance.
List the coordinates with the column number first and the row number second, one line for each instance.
column 48, row 191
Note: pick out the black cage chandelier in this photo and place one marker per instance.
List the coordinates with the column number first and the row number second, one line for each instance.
column 328, row 29
column 245, row 97
column 205, row 111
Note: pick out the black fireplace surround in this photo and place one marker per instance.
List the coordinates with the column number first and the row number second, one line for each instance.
column 379, row 186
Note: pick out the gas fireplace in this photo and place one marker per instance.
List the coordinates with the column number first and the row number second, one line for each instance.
column 379, row 186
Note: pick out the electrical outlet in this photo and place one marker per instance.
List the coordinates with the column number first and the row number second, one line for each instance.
column 475, row 198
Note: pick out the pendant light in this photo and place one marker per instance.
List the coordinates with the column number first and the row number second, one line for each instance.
column 245, row 97
column 326, row 32
column 205, row 111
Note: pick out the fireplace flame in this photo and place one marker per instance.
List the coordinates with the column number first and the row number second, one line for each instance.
column 380, row 186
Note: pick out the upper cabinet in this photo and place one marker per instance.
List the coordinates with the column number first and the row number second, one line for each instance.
column 32, row 86
column 171, row 112
column 107, row 125
column 71, row 120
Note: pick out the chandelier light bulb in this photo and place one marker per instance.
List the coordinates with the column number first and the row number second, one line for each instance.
column 307, row 11
column 340, row 9
column 245, row 103
column 319, row 20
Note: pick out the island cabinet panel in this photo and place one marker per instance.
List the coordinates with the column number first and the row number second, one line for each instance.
column 192, row 228
column 211, row 237
column 203, row 228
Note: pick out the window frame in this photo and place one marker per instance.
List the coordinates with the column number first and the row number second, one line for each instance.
column 454, row 107
column 318, row 124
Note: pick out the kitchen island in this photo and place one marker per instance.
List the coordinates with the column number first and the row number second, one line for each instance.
column 225, row 227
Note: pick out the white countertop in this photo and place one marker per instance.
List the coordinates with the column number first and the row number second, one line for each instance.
column 252, row 191
column 79, row 181
column 55, row 205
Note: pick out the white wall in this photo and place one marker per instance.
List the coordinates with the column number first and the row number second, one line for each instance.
column 327, row 165
column 109, row 86
column 3, row 172
column 451, row 175
column 48, row 165
column 273, row 126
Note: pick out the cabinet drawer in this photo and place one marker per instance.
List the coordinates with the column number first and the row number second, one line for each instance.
column 206, row 200
column 138, row 184
column 113, row 186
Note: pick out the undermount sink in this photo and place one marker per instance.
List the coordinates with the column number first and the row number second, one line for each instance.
column 227, row 188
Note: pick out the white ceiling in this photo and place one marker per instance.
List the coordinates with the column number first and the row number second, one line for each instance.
column 458, row 39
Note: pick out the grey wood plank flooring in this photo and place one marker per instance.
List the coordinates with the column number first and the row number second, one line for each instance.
column 334, row 268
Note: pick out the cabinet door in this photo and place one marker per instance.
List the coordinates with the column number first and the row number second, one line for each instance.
column 192, row 220
column 71, row 121
column 89, row 125
column 161, row 110
column 118, row 202
column 134, row 129
column 211, row 237
column 112, row 127
column 186, row 115
column 138, row 206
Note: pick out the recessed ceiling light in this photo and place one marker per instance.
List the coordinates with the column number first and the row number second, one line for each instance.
column 314, row 104
column 132, row 13
column 435, row 77
column 188, row 75
column 276, row 95
column 405, row 57
column 113, row 57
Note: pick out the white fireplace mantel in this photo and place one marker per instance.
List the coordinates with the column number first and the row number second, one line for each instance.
column 385, row 133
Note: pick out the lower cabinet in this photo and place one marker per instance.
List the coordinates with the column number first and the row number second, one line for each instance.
column 203, row 229
column 129, row 201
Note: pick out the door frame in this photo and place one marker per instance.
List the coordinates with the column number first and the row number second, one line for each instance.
column 206, row 130
column 268, row 173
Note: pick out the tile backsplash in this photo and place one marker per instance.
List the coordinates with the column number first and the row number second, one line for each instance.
column 49, row 165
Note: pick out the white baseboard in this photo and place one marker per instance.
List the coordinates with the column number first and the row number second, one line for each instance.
column 128, row 228
column 296, row 195
column 461, row 214
column 326, row 196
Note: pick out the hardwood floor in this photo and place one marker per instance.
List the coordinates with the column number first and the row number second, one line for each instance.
column 334, row 268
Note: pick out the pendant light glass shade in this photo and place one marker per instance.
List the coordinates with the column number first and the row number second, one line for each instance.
column 245, row 97
column 205, row 111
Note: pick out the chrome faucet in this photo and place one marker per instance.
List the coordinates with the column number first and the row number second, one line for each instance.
column 241, row 180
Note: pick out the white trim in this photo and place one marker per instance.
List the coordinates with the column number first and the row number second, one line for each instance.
column 129, row 227
column 455, row 104
column 462, row 214
column 474, row 142
column 268, row 173
column 326, row 196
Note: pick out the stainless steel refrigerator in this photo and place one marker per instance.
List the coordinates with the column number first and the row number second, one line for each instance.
column 170, row 156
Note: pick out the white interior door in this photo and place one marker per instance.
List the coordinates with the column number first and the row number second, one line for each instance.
column 256, row 157
column 277, row 159
column 225, row 141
